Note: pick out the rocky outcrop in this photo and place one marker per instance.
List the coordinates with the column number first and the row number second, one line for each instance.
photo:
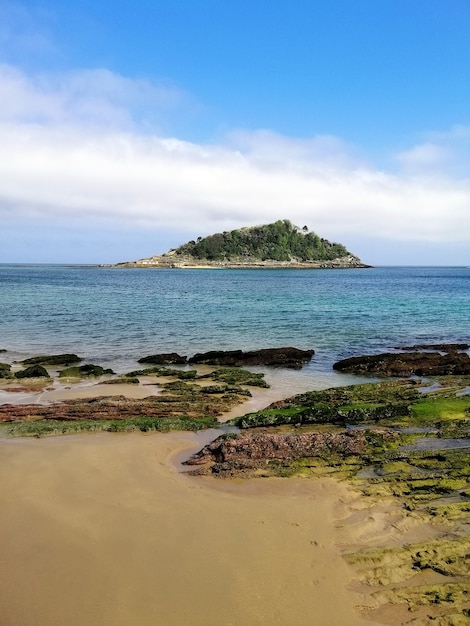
column 407, row 364
column 171, row 260
column 177, row 400
column 232, row 454
column 169, row 358
column 271, row 357
column 441, row 347
column 84, row 370
column 5, row 370
column 34, row 371
column 52, row 359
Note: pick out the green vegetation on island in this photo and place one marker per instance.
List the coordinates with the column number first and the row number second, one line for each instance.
column 281, row 241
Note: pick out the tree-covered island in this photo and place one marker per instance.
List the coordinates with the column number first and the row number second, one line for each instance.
column 281, row 244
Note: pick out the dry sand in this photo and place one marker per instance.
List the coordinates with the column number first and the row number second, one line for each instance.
column 102, row 530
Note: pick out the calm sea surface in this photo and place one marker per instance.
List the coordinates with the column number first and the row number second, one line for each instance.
column 114, row 316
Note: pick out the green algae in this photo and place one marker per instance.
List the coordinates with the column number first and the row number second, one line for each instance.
column 367, row 403
column 390, row 403
column 395, row 566
column 228, row 375
column 84, row 371
column 237, row 376
column 439, row 408
column 44, row 428
column 33, row 371
column 425, row 595
column 159, row 370
column 450, row 512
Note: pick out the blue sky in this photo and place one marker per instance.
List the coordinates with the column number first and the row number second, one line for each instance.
column 127, row 128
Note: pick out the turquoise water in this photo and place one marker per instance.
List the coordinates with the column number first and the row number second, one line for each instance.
column 115, row 316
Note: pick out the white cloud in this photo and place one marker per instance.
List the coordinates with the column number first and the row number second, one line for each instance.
column 266, row 147
column 441, row 153
column 425, row 155
column 92, row 97
column 70, row 149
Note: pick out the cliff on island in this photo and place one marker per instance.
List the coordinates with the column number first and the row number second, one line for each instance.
column 277, row 245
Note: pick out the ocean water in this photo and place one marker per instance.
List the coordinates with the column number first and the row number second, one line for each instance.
column 115, row 316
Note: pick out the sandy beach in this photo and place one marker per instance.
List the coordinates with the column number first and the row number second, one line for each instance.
column 103, row 529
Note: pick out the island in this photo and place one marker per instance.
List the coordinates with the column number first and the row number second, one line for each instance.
column 277, row 245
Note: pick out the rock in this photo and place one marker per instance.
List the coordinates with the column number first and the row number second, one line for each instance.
column 52, row 359
column 35, row 371
column 442, row 347
column 272, row 357
column 238, row 376
column 159, row 370
column 407, row 364
column 171, row 358
column 84, row 370
column 5, row 370
column 210, row 389
column 250, row 450
column 122, row 380
column 186, row 402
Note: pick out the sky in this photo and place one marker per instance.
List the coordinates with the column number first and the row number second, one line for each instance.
column 128, row 128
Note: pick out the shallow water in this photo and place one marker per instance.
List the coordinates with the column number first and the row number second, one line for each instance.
column 115, row 316
column 426, row 444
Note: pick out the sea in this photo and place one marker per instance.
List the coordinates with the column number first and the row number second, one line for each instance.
column 114, row 316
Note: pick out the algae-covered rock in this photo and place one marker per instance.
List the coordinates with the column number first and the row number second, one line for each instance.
column 180, row 374
column 122, row 380
column 35, row 371
column 247, row 451
column 5, row 370
column 273, row 357
column 442, row 347
column 159, row 370
column 407, row 363
column 84, row 370
column 171, row 358
column 52, row 359
column 236, row 376
column 322, row 414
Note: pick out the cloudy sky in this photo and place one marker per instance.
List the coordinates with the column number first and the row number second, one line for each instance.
column 127, row 128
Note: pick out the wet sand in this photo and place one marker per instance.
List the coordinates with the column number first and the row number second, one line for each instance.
column 101, row 529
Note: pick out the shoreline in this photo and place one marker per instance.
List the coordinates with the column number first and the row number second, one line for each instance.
column 236, row 266
column 363, row 523
column 104, row 530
